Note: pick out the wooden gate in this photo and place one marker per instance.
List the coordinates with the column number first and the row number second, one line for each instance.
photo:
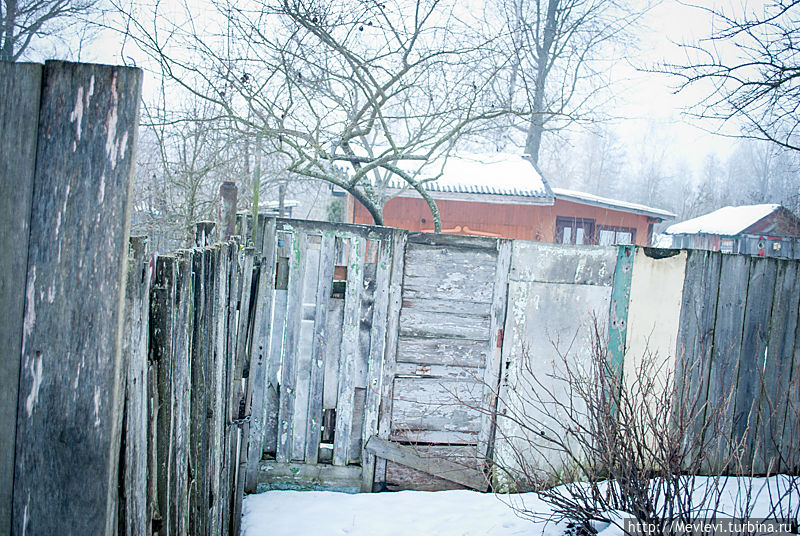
column 442, row 363
column 318, row 350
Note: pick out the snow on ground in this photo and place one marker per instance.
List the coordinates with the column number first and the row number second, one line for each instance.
column 440, row 513
column 404, row 513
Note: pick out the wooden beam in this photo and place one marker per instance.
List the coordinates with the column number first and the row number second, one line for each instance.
column 405, row 455
column 275, row 475
column 20, row 87
column 70, row 398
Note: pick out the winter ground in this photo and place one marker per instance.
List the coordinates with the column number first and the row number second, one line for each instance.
column 441, row 513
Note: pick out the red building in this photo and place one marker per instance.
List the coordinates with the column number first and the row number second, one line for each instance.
column 504, row 195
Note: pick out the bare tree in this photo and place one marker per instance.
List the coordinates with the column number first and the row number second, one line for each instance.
column 556, row 59
column 22, row 22
column 361, row 95
column 749, row 67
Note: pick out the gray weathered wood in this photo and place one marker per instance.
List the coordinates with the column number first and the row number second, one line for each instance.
column 349, row 349
column 71, row 372
column 321, row 335
column 20, row 87
column 198, row 425
column 273, row 475
column 377, row 349
column 773, row 448
column 427, row 324
column 491, row 377
column 390, row 353
column 163, row 325
column 440, row 467
column 755, row 336
column 133, row 506
column 440, row 351
column 262, row 330
column 435, row 404
column 449, row 240
column 401, row 477
column 294, row 316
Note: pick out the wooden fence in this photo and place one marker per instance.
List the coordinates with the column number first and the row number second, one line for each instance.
column 739, row 349
column 186, row 392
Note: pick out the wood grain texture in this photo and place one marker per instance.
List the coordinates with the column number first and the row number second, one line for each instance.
column 437, row 466
column 20, row 88
column 71, row 373
column 133, row 514
column 349, row 350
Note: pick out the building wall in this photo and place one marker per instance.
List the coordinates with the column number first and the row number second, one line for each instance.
column 526, row 222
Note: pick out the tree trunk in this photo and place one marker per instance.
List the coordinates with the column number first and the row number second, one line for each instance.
column 536, row 128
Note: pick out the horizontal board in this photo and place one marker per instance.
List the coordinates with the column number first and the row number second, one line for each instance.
column 433, row 404
column 420, row 260
column 401, row 477
column 454, row 286
column 338, row 229
column 272, row 475
column 461, row 241
column 463, row 307
column 561, row 263
column 460, row 472
column 458, row 353
column 440, row 437
column 473, row 374
column 416, row 323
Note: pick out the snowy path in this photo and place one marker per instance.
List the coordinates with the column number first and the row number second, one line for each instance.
column 405, row 513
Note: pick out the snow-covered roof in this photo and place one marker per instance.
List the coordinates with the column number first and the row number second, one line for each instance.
column 596, row 200
column 502, row 174
column 726, row 221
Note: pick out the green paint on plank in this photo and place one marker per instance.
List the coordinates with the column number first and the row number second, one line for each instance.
column 618, row 316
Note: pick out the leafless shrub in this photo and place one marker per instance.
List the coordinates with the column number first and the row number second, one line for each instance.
column 594, row 441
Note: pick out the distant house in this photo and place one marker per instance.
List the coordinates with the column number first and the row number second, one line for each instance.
column 764, row 230
column 504, row 195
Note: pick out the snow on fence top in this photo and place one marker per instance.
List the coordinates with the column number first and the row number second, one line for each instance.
column 727, row 221
column 489, row 173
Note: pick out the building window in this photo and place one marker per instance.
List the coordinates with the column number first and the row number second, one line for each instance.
column 609, row 236
column 574, row 231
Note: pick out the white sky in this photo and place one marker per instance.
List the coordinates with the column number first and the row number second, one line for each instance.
column 645, row 102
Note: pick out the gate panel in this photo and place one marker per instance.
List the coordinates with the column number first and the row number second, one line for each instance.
column 442, row 376
column 323, row 348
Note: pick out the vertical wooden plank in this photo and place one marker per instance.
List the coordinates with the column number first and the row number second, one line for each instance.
column 724, row 368
column 491, row 373
column 377, row 348
column 20, row 87
column 778, row 369
column 241, row 393
column 198, row 432
column 210, row 261
column 755, row 336
column 294, row 315
column 399, row 240
column 321, row 339
column 133, row 514
column 347, row 358
column 217, row 400
column 305, row 346
column 618, row 315
column 257, row 382
column 71, row 371
column 162, row 322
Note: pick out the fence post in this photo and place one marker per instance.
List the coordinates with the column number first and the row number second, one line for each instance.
column 227, row 210
column 20, row 87
column 70, row 382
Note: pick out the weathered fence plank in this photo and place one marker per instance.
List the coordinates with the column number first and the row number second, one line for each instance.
column 20, row 87
column 263, row 326
column 321, row 334
column 133, row 517
column 390, row 354
column 198, row 426
column 349, row 349
column 294, row 315
column 71, row 372
column 760, row 288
